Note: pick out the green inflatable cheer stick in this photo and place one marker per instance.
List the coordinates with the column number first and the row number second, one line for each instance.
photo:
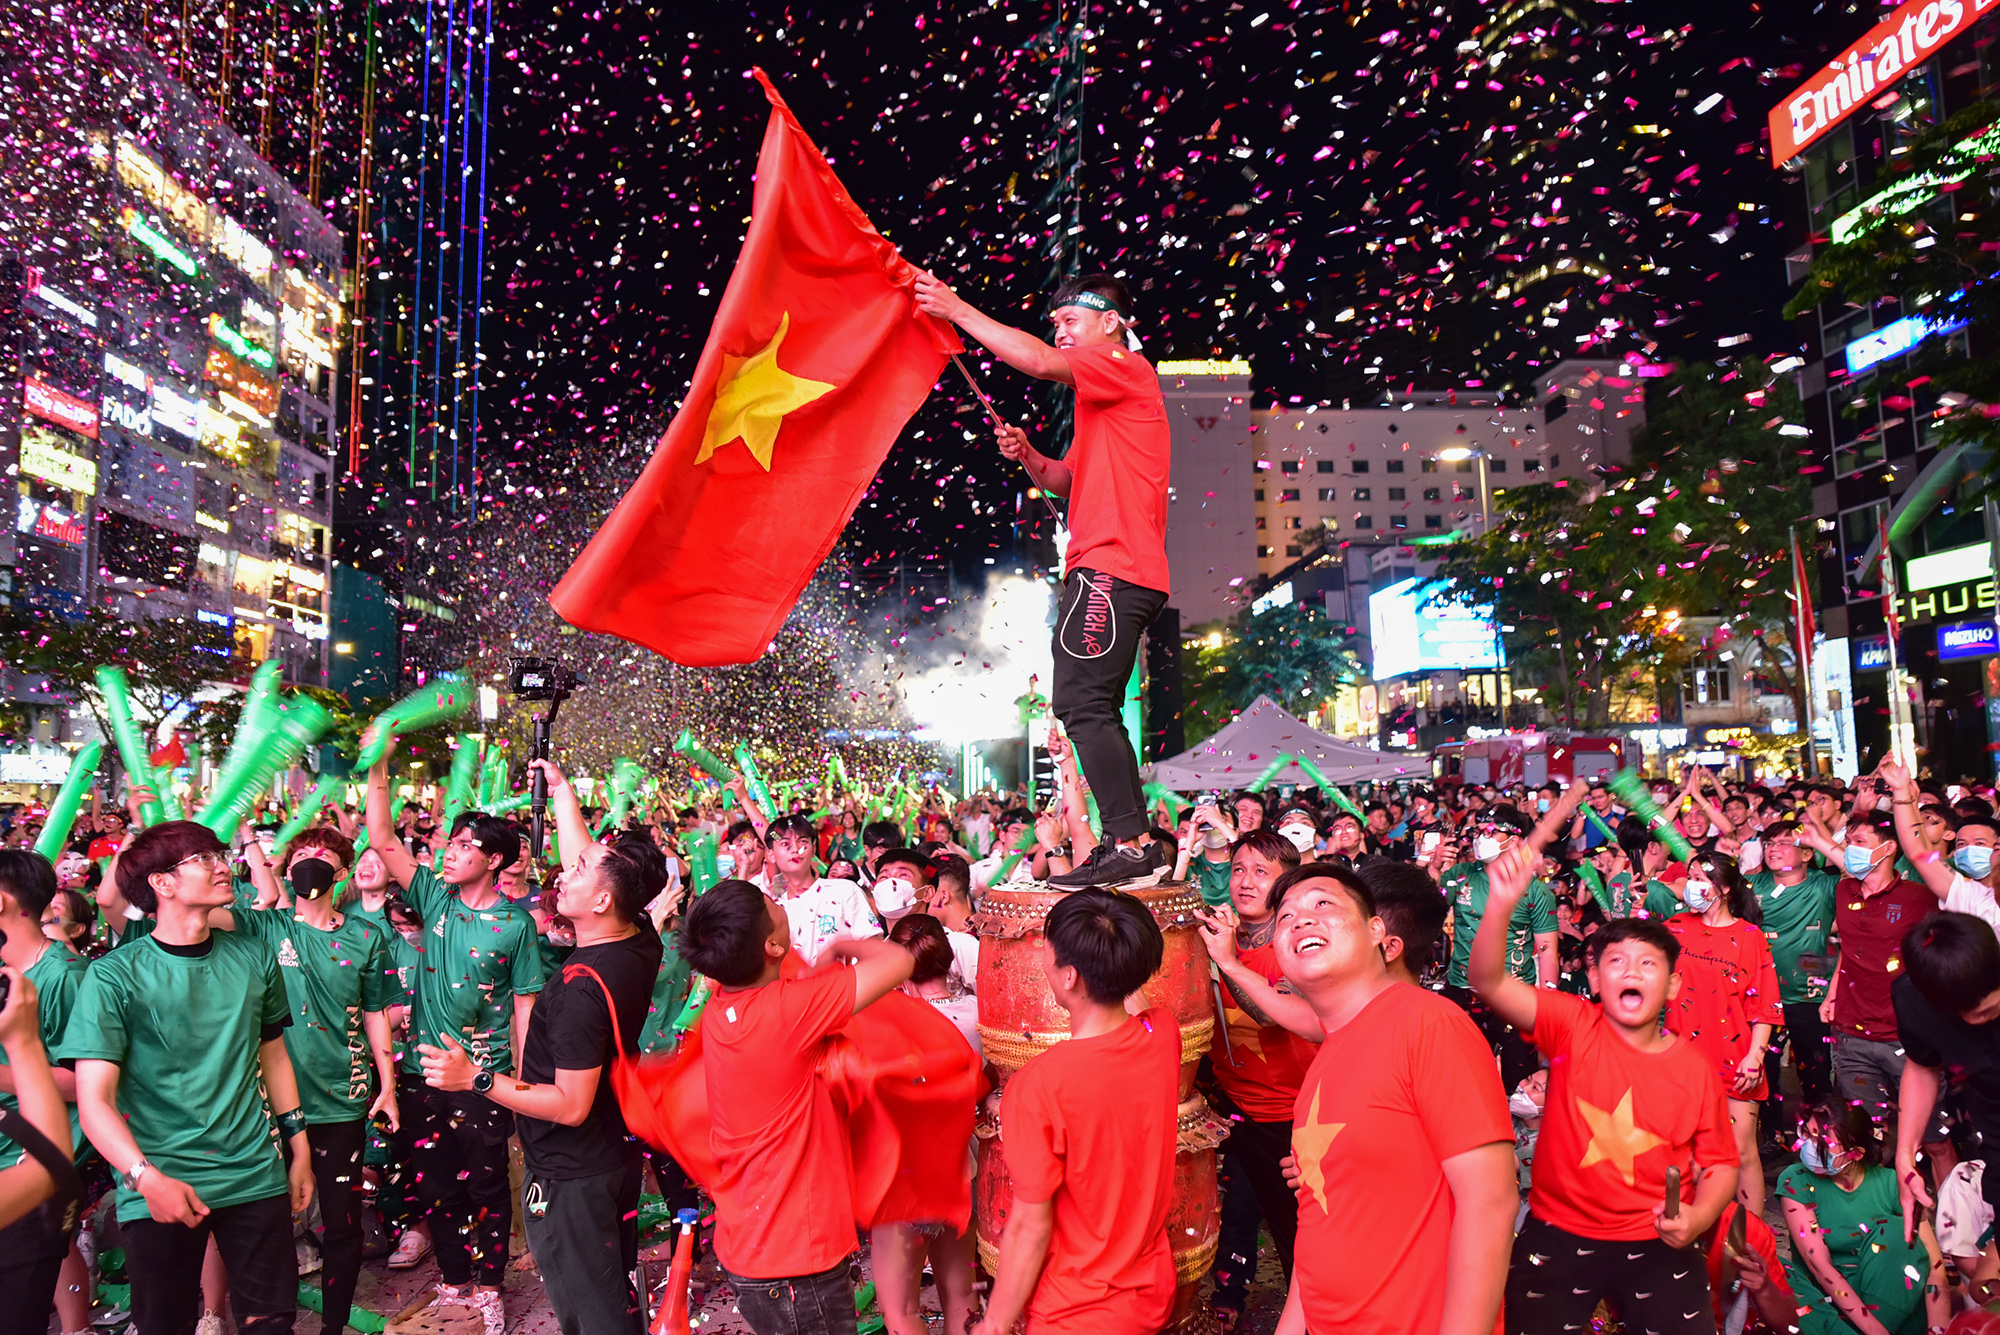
column 753, row 779
column 1022, row 847
column 691, row 1009
column 1640, row 803
column 62, row 812
column 1610, row 835
column 308, row 812
column 703, row 870
column 701, row 756
column 1340, row 799
column 445, row 697
column 1592, row 879
column 112, row 685
column 1270, row 773
column 253, row 721
column 458, row 786
column 300, row 721
column 1159, row 792
column 507, row 804
column 163, row 787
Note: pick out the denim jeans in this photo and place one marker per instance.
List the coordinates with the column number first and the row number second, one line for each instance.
column 821, row 1304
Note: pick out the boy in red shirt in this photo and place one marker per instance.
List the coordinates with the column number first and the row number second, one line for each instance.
column 1115, row 581
column 1626, row 1102
column 1088, row 1128
column 783, row 1200
column 1405, row 1151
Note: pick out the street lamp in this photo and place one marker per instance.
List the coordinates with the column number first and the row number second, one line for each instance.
column 1454, row 454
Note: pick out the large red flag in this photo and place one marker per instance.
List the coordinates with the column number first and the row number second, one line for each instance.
column 817, row 358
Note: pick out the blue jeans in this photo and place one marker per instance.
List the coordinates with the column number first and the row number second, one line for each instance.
column 821, row 1304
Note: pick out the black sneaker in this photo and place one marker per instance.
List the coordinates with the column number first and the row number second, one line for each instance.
column 1113, row 864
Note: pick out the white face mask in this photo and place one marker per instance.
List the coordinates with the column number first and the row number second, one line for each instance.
column 1300, row 835
column 1521, row 1105
column 1751, row 854
column 1485, row 848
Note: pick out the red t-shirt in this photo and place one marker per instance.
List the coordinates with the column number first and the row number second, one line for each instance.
column 1403, row 1086
column 1728, row 983
column 1119, row 466
column 1758, row 1238
column 1616, row 1119
column 1871, row 929
column 1091, row 1125
column 784, row 1197
column 1259, row 1066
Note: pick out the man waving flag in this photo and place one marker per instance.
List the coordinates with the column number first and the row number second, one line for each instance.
column 817, row 358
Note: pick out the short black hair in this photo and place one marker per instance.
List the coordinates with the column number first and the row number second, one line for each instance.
column 636, row 871
column 724, row 933
column 29, row 877
column 737, row 830
column 1109, row 938
column 1500, row 813
column 881, row 834
column 1885, row 829
column 795, row 823
column 1953, row 960
column 1105, row 285
column 1647, row 931
column 1016, row 816
column 909, row 857
column 1269, row 844
column 1411, row 907
column 1323, row 871
column 493, row 834
column 160, row 848
column 954, row 874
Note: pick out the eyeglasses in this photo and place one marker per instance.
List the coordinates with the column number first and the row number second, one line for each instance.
column 213, row 861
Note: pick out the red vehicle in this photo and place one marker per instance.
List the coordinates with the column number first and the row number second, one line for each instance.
column 1530, row 759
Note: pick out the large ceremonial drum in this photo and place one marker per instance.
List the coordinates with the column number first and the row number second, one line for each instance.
column 1019, row 1017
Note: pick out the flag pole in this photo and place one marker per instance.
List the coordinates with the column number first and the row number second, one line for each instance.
column 1801, row 610
column 999, row 421
column 1901, row 741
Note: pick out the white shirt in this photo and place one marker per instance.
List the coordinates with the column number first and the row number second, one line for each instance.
column 1969, row 896
column 985, row 869
column 964, row 958
column 826, row 910
column 964, row 1012
column 978, row 831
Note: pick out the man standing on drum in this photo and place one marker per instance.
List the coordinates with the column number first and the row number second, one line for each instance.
column 1115, row 580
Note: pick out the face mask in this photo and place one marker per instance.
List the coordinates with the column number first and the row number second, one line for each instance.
column 1485, row 848
column 312, row 877
column 1813, row 1155
column 1858, row 861
column 1698, row 897
column 1974, row 861
column 1214, row 838
column 1541, row 804
column 1521, row 1105
column 1301, row 837
column 1751, row 854
column 725, row 865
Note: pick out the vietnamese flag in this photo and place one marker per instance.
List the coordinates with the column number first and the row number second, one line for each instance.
column 172, row 754
column 817, row 357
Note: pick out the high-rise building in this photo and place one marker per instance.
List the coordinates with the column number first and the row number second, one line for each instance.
column 174, row 351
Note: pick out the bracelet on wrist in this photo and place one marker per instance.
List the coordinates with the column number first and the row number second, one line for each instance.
column 292, row 1123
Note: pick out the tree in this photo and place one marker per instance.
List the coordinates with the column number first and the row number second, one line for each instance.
column 1930, row 248
column 1293, row 654
column 167, row 660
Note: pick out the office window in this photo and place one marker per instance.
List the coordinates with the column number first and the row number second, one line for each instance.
column 1531, row 465
column 1360, row 466
column 1262, row 550
column 1361, row 493
column 1290, row 466
column 1295, row 521
column 1497, row 466
column 1288, row 494
column 1260, row 521
column 1325, row 465
column 1433, row 493
column 1399, row 522
column 1706, row 685
column 1329, row 493
column 1555, row 461
column 1427, row 465
column 1395, row 493
column 1433, row 521
column 1364, row 521
column 1260, row 493
column 1462, row 466
column 1393, row 466
column 1295, row 550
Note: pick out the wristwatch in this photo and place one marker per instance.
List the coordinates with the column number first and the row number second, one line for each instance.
column 482, row 1083
column 133, row 1173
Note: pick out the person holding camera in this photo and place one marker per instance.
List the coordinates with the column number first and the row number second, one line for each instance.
column 482, row 969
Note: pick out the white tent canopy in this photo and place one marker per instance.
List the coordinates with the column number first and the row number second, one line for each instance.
column 1242, row 749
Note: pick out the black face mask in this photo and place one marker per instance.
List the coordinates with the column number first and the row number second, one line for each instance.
column 312, row 877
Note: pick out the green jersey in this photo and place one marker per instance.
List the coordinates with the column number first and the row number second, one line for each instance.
column 185, row 1029
column 1661, row 901
column 1211, row 879
column 1797, row 921
column 1465, row 890
column 56, row 975
column 331, row 979
column 475, row 962
column 670, row 993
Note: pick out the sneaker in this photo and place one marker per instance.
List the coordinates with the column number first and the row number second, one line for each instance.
column 491, row 1311
column 1113, row 864
column 210, row 1324
column 308, row 1256
column 411, row 1249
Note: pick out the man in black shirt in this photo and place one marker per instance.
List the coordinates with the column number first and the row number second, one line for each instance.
column 1947, row 1017
column 581, row 1195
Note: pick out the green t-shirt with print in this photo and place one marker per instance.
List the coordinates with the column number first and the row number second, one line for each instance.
column 670, row 993
column 1661, row 901
column 331, row 979
column 1465, row 889
column 57, row 976
column 1863, row 1233
column 1211, row 879
column 1798, row 919
column 185, row 1031
column 475, row 962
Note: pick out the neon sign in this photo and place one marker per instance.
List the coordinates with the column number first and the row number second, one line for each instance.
column 65, row 410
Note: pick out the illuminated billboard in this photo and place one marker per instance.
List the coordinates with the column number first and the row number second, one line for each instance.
column 1415, row 626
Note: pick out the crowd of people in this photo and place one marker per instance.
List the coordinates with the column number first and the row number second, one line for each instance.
column 1486, row 1057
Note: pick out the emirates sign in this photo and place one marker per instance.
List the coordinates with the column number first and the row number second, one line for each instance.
column 44, row 400
column 1899, row 43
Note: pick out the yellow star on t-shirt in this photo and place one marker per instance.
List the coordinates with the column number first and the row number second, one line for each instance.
column 1310, row 1141
column 752, row 396
column 1244, row 1032
column 1614, row 1137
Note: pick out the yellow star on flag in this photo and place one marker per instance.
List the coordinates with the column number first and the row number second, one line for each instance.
column 752, row 396
column 1614, row 1137
column 1311, row 1139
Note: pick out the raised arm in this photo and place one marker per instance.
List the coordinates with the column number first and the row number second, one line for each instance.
column 571, row 828
column 382, row 835
column 880, row 967
column 1930, row 864
column 1016, row 347
column 1507, row 879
